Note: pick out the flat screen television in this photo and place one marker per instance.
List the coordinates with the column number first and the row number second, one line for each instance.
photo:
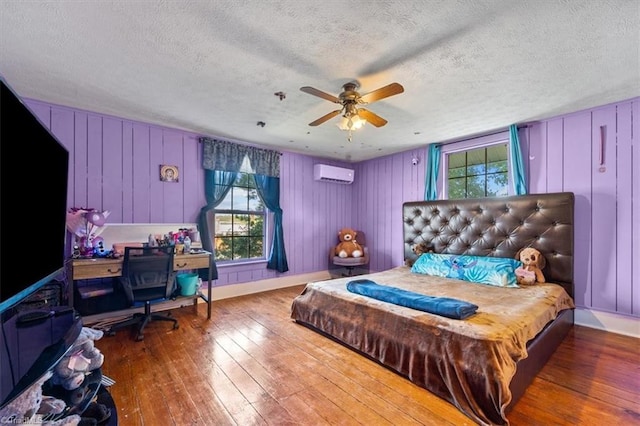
column 33, row 201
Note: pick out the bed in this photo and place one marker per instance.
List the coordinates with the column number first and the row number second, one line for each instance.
column 481, row 364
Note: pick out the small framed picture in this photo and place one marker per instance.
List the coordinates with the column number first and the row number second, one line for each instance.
column 169, row 173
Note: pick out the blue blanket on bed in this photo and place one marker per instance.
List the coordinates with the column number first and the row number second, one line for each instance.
column 444, row 306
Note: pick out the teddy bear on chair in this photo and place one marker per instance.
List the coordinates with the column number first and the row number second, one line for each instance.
column 348, row 246
column 533, row 262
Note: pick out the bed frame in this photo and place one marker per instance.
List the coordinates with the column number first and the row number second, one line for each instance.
column 500, row 227
column 481, row 227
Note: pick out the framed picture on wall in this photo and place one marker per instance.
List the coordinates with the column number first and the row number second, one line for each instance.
column 169, row 173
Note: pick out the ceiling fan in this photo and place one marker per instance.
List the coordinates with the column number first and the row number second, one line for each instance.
column 354, row 117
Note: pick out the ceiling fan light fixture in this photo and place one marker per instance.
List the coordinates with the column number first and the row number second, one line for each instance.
column 349, row 123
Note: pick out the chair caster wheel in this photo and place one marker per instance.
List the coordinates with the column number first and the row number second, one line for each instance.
column 139, row 337
column 110, row 333
column 176, row 326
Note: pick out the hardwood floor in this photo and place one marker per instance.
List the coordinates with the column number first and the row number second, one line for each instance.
column 252, row 365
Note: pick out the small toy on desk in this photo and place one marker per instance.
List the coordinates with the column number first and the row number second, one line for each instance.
column 533, row 263
column 86, row 224
column 99, row 249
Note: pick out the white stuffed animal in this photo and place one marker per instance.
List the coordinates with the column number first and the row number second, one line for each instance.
column 31, row 406
column 82, row 358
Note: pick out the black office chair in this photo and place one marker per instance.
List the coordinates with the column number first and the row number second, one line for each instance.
column 147, row 277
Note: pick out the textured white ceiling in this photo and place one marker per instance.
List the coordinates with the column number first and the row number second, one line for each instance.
column 213, row 67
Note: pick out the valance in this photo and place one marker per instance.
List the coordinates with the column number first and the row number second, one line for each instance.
column 227, row 156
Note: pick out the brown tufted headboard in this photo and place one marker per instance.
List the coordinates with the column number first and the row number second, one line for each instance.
column 497, row 227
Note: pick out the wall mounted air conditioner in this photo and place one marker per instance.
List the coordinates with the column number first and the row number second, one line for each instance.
column 326, row 173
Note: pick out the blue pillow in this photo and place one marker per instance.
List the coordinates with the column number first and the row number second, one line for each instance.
column 496, row 271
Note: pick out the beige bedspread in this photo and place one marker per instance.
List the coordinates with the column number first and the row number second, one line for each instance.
column 470, row 362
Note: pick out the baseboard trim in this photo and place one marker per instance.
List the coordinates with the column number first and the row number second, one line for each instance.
column 242, row 289
column 614, row 323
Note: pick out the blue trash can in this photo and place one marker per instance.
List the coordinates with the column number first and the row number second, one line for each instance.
column 188, row 284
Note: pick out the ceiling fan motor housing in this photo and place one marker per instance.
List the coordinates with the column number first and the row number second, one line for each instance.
column 349, row 93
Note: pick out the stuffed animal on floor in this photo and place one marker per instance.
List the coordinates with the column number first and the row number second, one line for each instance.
column 82, row 358
column 418, row 249
column 32, row 407
column 533, row 262
column 348, row 246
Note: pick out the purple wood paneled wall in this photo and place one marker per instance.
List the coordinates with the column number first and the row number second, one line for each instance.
column 563, row 155
column 115, row 165
column 380, row 188
column 596, row 155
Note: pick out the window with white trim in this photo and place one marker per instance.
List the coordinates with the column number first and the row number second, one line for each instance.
column 476, row 168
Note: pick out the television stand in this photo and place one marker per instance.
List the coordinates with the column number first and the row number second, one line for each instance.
column 31, row 345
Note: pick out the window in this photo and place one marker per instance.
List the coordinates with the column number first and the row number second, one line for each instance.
column 478, row 172
column 238, row 222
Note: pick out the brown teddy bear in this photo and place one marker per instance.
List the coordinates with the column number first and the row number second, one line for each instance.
column 348, row 246
column 533, row 262
column 418, row 249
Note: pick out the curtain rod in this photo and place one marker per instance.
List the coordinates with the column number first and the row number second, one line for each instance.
column 480, row 135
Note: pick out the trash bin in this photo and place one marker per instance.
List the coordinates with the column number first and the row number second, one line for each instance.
column 188, row 284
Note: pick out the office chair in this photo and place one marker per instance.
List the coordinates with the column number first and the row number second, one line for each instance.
column 351, row 263
column 147, row 277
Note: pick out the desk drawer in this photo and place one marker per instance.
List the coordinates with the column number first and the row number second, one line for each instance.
column 190, row 261
column 102, row 269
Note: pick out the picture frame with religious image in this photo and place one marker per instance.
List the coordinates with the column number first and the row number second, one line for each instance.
column 169, row 173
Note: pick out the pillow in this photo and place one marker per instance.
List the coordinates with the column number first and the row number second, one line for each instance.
column 496, row 271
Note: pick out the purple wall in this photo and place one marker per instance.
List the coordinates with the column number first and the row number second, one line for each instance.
column 115, row 166
column 564, row 155
column 380, row 188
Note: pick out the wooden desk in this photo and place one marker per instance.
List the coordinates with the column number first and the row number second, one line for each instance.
column 83, row 269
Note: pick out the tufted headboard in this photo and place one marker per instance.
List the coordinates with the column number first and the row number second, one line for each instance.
column 497, row 227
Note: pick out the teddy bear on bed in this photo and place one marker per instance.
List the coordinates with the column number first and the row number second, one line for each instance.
column 533, row 262
column 418, row 249
column 348, row 246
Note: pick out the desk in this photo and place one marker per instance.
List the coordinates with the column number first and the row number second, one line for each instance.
column 83, row 269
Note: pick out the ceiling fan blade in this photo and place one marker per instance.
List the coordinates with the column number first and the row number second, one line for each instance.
column 371, row 117
column 325, row 117
column 381, row 93
column 320, row 94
